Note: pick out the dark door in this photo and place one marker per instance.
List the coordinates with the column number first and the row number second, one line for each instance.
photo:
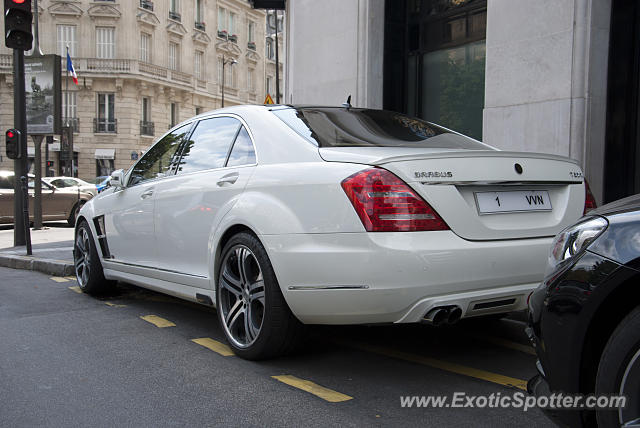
column 622, row 152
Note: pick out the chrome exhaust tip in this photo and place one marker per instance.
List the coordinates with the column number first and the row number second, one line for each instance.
column 455, row 313
column 436, row 316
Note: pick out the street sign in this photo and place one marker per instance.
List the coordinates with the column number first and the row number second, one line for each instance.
column 268, row 99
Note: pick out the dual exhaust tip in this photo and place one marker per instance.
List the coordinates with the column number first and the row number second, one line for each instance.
column 443, row 315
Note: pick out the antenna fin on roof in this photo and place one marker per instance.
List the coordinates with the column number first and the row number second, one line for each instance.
column 348, row 103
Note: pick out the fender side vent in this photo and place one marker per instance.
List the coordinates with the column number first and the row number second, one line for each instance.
column 204, row 299
column 98, row 222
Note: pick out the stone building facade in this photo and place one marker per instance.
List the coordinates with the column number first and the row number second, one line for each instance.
column 143, row 66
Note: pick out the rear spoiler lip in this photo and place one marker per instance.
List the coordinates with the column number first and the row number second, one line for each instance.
column 477, row 154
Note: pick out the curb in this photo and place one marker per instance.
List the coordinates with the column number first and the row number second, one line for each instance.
column 48, row 266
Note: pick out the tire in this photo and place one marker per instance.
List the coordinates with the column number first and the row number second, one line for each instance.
column 619, row 372
column 253, row 314
column 87, row 264
column 73, row 217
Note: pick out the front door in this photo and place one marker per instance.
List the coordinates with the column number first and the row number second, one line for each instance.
column 129, row 224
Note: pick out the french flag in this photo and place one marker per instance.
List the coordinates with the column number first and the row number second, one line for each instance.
column 71, row 70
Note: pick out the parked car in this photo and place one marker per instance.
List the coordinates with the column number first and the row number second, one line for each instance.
column 102, row 182
column 317, row 215
column 585, row 316
column 57, row 203
column 72, row 182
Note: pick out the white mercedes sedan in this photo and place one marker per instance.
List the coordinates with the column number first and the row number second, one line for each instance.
column 288, row 215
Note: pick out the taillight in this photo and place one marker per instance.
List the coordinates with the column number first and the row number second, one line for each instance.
column 385, row 203
column 589, row 200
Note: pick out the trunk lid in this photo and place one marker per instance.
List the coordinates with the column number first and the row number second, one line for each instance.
column 484, row 194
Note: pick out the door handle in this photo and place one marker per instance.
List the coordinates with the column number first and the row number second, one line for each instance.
column 146, row 194
column 228, row 179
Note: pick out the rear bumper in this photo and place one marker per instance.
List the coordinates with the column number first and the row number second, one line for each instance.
column 354, row 278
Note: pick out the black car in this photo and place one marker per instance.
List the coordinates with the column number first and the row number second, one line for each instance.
column 584, row 319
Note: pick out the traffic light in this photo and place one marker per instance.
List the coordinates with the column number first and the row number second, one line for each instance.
column 49, row 164
column 14, row 148
column 17, row 24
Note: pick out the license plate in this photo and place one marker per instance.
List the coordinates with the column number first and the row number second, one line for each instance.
column 513, row 201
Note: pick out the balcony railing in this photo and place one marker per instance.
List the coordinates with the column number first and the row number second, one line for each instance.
column 251, row 46
column 101, row 64
column 101, row 125
column 200, row 26
column 147, row 128
column 146, row 4
column 73, row 122
column 233, row 38
column 175, row 16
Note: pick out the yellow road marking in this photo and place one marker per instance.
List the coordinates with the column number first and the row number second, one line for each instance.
column 157, row 321
column 215, row 346
column 313, row 388
column 71, row 278
column 444, row 365
column 59, row 279
column 527, row 349
column 76, row 289
column 115, row 305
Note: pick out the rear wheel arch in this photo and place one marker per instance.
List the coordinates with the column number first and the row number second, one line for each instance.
column 229, row 233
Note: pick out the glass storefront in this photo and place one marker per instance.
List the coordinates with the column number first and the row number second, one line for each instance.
column 443, row 58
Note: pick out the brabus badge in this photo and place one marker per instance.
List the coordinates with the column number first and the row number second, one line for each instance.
column 433, row 174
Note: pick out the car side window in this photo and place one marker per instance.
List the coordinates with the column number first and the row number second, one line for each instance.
column 160, row 159
column 6, row 182
column 209, row 144
column 243, row 152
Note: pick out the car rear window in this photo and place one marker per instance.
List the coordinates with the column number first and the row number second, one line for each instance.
column 354, row 127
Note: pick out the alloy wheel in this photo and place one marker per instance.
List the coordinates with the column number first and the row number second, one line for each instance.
column 242, row 293
column 630, row 388
column 82, row 257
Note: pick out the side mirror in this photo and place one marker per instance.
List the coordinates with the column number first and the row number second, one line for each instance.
column 117, row 179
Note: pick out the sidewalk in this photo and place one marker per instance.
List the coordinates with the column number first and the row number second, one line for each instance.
column 52, row 249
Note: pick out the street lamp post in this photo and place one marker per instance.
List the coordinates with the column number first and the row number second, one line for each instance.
column 229, row 61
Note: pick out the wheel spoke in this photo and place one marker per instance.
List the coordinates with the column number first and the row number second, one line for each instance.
column 233, row 314
column 251, row 331
column 79, row 261
column 241, row 255
column 256, row 292
column 230, row 283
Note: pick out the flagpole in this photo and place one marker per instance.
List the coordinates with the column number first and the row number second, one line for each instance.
column 66, row 111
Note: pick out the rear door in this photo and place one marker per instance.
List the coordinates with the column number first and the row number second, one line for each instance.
column 213, row 170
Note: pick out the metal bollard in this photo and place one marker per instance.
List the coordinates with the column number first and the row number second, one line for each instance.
column 25, row 213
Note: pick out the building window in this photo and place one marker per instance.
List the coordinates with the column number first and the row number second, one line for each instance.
column 174, row 115
column 230, row 76
column 232, row 23
column 146, row 125
column 174, row 56
column 70, row 110
column 198, row 110
column 251, row 86
column 104, row 167
column 269, row 84
column 145, row 47
column 174, row 10
column 199, row 18
column 222, row 20
column 105, row 42
column 67, row 36
column 220, row 70
column 106, row 121
column 270, row 51
column 198, row 64
column 252, row 32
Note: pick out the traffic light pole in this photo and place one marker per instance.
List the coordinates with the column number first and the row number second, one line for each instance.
column 21, row 233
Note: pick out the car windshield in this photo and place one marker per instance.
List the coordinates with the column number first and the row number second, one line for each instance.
column 354, row 127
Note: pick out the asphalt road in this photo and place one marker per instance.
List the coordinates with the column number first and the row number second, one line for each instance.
column 68, row 359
